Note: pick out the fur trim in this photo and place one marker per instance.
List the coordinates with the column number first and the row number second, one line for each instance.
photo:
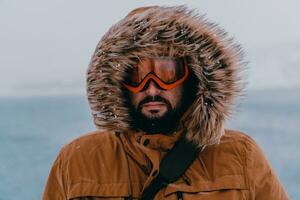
column 171, row 32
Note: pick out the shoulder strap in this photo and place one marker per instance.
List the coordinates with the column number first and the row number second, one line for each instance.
column 172, row 166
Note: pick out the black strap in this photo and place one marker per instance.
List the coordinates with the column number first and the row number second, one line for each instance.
column 172, row 166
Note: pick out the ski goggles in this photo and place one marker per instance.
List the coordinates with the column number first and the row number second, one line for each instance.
column 166, row 74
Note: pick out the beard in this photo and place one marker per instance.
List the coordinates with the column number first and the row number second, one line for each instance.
column 164, row 124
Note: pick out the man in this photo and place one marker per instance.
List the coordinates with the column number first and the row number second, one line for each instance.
column 161, row 77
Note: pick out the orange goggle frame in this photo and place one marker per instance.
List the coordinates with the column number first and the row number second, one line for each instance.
column 156, row 79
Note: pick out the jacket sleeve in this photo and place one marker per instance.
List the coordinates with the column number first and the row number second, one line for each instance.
column 263, row 182
column 54, row 189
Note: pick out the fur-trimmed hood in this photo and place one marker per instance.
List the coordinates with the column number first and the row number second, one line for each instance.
column 169, row 32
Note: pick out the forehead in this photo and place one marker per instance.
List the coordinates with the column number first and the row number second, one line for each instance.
column 158, row 62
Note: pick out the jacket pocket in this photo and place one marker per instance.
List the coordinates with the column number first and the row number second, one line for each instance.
column 97, row 198
column 95, row 191
column 229, row 187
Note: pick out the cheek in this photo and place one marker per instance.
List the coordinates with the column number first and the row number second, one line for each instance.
column 135, row 99
column 175, row 96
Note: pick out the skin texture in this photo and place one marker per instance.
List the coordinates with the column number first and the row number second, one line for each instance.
column 157, row 109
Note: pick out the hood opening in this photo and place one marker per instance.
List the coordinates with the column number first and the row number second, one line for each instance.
column 190, row 90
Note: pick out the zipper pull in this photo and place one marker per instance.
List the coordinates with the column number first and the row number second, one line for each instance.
column 179, row 195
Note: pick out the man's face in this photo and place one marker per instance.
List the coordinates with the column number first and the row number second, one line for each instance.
column 154, row 105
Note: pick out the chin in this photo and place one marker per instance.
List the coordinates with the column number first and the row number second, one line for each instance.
column 154, row 114
column 150, row 120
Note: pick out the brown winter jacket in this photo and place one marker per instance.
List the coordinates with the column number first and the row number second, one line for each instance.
column 104, row 165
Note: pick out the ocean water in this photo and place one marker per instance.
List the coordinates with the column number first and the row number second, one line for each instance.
column 32, row 131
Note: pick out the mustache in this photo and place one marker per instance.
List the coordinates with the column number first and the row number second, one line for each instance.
column 148, row 99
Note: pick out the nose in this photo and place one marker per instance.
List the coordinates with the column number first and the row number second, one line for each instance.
column 152, row 89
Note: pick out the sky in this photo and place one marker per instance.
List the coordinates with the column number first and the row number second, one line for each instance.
column 45, row 46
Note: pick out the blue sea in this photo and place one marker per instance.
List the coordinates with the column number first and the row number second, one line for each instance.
column 33, row 130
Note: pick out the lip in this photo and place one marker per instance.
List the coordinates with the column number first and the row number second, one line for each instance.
column 154, row 103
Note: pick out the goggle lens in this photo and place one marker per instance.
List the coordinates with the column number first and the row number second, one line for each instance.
column 167, row 73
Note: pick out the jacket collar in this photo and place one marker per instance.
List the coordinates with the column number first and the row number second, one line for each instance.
column 142, row 147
